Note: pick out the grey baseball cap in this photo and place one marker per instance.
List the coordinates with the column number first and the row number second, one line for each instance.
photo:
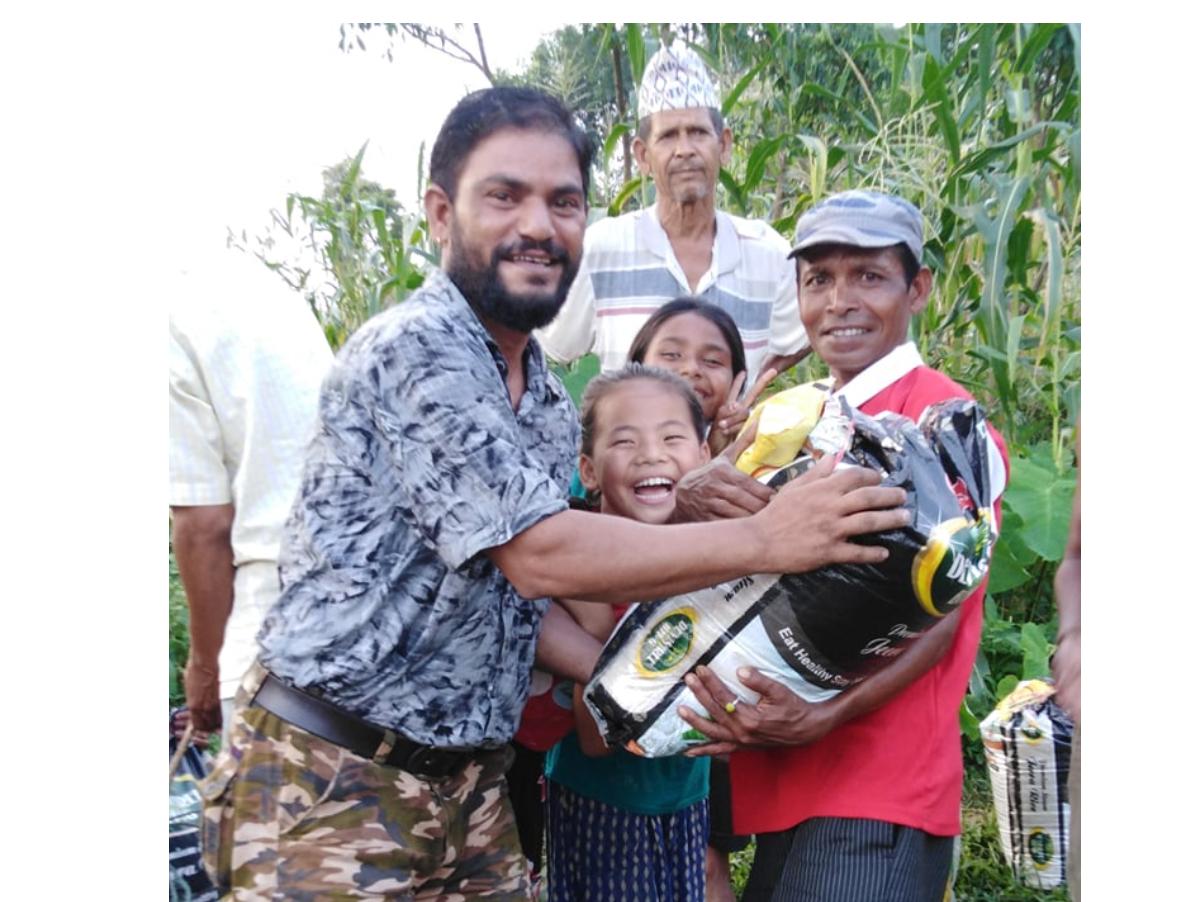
column 861, row 219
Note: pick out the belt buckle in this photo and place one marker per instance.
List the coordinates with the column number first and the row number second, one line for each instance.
column 430, row 762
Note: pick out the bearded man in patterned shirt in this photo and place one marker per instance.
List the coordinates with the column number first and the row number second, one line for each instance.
column 369, row 743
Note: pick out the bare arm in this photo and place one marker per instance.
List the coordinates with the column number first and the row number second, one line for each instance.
column 781, row 717
column 596, row 620
column 200, row 536
column 593, row 557
column 1067, row 591
column 590, row 741
column 566, row 648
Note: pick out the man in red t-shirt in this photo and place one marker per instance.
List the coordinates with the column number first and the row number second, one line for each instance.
column 857, row 798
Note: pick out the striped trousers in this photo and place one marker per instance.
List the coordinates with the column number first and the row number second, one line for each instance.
column 598, row 853
column 835, row 859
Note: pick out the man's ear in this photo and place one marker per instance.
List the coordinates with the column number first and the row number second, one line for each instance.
column 726, row 145
column 639, row 156
column 587, row 474
column 439, row 212
column 919, row 291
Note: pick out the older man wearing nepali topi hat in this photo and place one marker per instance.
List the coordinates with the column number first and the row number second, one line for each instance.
column 682, row 245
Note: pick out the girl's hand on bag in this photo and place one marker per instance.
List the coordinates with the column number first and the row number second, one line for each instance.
column 733, row 413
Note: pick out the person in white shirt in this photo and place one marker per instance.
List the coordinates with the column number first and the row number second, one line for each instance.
column 247, row 357
column 682, row 245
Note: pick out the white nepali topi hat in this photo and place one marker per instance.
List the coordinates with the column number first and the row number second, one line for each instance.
column 675, row 79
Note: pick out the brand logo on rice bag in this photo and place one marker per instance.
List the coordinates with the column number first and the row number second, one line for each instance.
column 952, row 563
column 1041, row 848
column 667, row 642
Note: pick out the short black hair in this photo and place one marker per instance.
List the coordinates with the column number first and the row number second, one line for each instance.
column 483, row 113
column 711, row 312
column 903, row 252
column 718, row 123
column 603, row 385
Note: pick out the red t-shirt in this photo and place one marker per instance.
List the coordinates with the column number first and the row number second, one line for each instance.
column 901, row 763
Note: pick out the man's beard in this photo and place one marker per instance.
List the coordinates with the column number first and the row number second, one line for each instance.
column 486, row 292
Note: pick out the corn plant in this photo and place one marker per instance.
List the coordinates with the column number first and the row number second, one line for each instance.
column 353, row 251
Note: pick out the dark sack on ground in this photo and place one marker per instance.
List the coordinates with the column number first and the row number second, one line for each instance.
column 823, row 631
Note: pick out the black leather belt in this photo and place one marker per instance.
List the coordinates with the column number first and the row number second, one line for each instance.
column 333, row 724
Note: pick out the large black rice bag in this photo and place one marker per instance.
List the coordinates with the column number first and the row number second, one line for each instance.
column 822, row 631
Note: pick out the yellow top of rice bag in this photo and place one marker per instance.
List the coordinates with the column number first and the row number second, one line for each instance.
column 784, row 422
column 1026, row 693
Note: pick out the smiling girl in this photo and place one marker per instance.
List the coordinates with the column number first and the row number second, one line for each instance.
column 623, row 827
column 700, row 342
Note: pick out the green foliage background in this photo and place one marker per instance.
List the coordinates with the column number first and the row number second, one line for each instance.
column 977, row 124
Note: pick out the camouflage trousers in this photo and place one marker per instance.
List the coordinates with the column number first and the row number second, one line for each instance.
column 288, row 815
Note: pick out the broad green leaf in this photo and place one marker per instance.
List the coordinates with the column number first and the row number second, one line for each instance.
column 1036, row 649
column 983, row 352
column 1018, row 250
column 635, row 48
column 1037, row 41
column 705, row 54
column 995, row 229
column 1006, row 685
column 816, row 90
column 1043, row 500
column 981, row 158
column 757, row 163
column 744, row 82
column 607, row 30
column 983, row 70
column 1052, row 287
column 968, row 723
column 1070, row 365
column 786, row 225
column 735, row 190
column 1041, row 454
column 1073, row 28
column 818, row 164
column 627, row 191
column 1010, row 558
column 614, row 135
column 934, row 85
column 575, row 376
column 981, row 671
column 1016, row 325
column 990, row 611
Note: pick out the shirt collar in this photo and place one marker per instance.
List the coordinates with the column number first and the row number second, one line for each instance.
column 727, row 250
column 894, row 365
column 534, row 360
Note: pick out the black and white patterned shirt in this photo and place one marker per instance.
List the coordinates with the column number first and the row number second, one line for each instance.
column 388, row 607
